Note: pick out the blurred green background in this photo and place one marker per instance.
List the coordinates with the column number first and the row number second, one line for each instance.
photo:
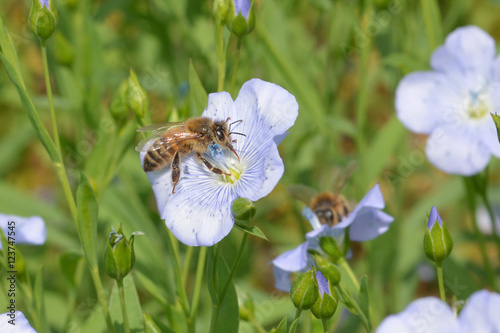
column 341, row 59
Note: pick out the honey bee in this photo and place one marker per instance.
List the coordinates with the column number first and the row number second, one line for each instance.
column 329, row 207
column 178, row 139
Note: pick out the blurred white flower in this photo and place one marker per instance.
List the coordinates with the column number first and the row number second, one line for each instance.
column 15, row 323
column 24, row 230
column 484, row 222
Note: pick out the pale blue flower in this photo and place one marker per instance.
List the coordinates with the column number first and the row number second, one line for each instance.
column 431, row 315
column 199, row 212
column 433, row 218
column 21, row 323
column 243, row 7
column 23, row 230
column 365, row 222
column 323, row 286
column 452, row 103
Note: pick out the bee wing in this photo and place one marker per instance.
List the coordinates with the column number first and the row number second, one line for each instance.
column 174, row 139
column 157, row 128
column 343, row 176
column 302, row 192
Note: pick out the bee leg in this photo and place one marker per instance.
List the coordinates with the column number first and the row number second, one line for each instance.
column 211, row 167
column 176, row 170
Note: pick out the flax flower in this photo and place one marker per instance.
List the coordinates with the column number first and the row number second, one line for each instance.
column 24, row 230
column 199, row 212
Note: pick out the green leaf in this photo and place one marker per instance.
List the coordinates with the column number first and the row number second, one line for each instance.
column 228, row 320
column 294, row 325
column 433, row 27
column 134, row 311
column 281, row 327
column 364, row 302
column 10, row 60
column 198, row 94
column 87, row 219
column 151, row 327
column 38, row 292
column 252, row 230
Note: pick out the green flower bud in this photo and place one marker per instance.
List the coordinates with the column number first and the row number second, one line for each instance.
column 119, row 107
column 64, row 50
column 43, row 18
column 330, row 247
column 496, row 119
column 326, row 304
column 437, row 241
column 246, row 306
column 304, row 290
column 329, row 270
column 240, row 17
column 220, row 10
column 136, row 96
column 243, row 211
column 119, row 255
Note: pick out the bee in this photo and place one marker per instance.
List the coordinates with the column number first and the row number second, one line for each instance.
column 175, row 140
column 330, row 207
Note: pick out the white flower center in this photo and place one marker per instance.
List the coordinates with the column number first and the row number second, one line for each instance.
column 477, row 105
column 235, row 175
column 227, row 163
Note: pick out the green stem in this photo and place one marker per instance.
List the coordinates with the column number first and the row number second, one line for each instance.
column 350, row 302
column 187, row 263
column 221, row 56
column 124, row 306
column 235, row 65
column 200, row 269
column 216, row 306
column 297, row 316
column 94, row 272
column 491, row 214
column 439, row 267
column 471, row 200
column 325, row 325
column 233, row 269
column 48, row 87
column 345, row 265
column 172, row 247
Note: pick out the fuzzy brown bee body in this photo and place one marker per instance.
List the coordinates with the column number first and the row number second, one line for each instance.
column 180, row 139
column 329, row 208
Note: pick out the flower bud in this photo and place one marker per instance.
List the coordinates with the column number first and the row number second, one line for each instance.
column 304, row 291
column 496, row 119
column 136, row 96
column 246, row 306
column 243, row 210
column 240, row 17
column 437, row 241
column 326, row 304
column 64, row 51
column 43, row 18
column 327, row 269
column 220, row 10
column 330, row 247
column 119, row 104
column 119, row 255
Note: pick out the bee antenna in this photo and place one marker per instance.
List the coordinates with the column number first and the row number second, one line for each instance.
column 237, row 133
column 234, row 122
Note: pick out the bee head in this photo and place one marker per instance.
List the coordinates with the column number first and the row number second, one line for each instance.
column 222, row 134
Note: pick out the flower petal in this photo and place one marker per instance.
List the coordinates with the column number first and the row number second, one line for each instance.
column 282, row 279
column 322, row 284
column 369, row 224
column 372, row 199
column 276, row 108
column 455, row 153
column 433, row 217
column 21, row 323
column 242, row 6
column 199, row 212
column 480, row 314
column 473, row 49
column 416, row 101
column 28, row 230
column 293, row 260
column 429, row 315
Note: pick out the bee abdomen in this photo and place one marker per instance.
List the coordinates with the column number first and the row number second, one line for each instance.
column 156, row 158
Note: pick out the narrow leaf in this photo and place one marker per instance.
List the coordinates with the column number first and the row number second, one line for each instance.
column 364, row 301
column 134, row 311
column 252, row 230
column 87, row 219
